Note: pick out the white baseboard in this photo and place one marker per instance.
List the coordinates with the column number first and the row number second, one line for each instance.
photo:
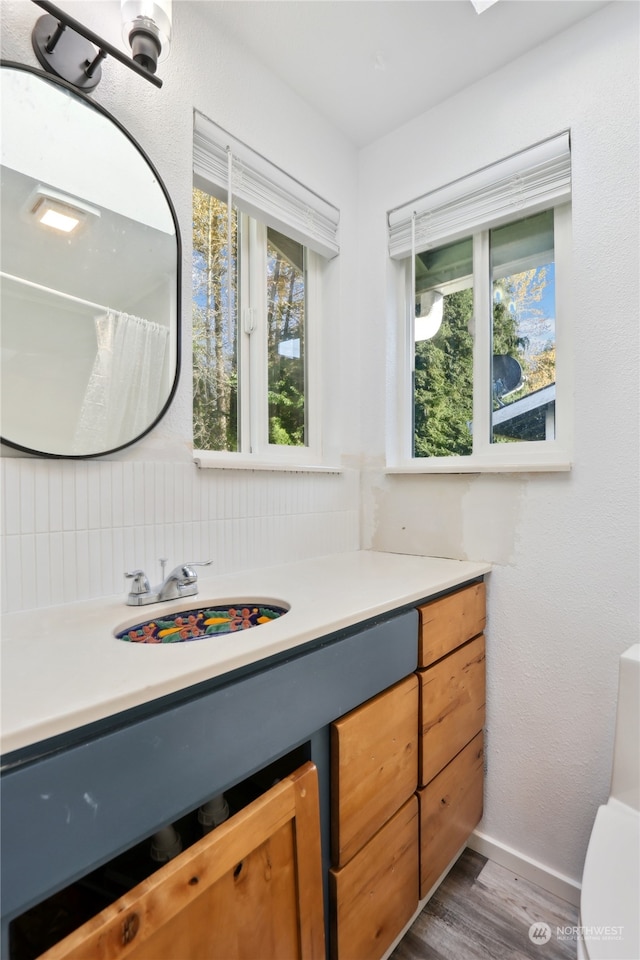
column 526, row 867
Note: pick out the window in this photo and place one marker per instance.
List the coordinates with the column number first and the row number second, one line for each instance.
column 487, row 378
column 259, row 243
column 250, row 380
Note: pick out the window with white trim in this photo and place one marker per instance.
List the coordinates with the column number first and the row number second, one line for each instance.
column 486, row 374
column 259, row 243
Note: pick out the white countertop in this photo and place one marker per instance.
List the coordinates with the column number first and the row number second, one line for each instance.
column 62, row 667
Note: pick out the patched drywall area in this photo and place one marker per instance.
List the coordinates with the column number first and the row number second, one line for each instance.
column 461, row 516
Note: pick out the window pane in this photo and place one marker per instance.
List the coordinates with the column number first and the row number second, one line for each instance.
column 523, row 339
column 286, row 291
column 443, row 360
column 215, row 330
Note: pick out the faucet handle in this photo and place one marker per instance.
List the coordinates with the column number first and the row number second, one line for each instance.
column 140, row 582
column 190, row 575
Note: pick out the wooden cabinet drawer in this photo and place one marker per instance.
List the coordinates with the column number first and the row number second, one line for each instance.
column 450, row 807
column 374, row 766
column 452, row 706
column 449, row 621
column 376, row 893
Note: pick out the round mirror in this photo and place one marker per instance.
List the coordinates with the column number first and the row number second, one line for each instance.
column 90, row 275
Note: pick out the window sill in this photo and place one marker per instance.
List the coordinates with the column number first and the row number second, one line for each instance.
column 206, row 460
column 473, row 465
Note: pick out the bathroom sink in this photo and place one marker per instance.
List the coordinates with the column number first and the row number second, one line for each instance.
column 205, row 620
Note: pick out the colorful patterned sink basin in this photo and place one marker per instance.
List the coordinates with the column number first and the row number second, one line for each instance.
column 201, row 622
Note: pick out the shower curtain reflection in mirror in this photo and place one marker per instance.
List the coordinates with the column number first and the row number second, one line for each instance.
column 127, row 385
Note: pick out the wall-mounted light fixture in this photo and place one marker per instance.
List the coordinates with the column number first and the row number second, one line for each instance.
column 66, row 48
column 58, row 211
column 147, row 30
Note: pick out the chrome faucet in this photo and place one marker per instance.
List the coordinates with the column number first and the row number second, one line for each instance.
column 181, row 582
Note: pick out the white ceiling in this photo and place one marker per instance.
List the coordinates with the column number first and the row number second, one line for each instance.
column 371, row 65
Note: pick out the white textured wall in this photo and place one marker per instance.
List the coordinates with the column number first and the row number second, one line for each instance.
column 276, row 517
column 563, row 598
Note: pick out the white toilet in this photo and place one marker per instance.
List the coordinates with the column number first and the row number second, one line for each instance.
column 610, row 898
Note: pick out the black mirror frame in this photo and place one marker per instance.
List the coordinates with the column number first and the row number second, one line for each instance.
column 56, row 81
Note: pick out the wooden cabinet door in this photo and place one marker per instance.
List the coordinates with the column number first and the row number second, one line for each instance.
column 374, row 766
column 375, row 895
column 450, row 807
column 251, row 888
column 450, row 621
column 452, row 706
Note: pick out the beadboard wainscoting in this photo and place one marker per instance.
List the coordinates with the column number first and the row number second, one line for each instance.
column 71, row 528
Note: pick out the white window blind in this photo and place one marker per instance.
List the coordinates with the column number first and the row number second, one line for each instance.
column 261, row 189
column 535, row 179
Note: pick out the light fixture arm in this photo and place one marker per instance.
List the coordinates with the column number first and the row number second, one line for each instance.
column 62, row 52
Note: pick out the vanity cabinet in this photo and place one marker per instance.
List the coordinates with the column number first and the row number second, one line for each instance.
column 374, row 823
column 379, row 731
column 250, row 888
column 73, row 804
column 451, row 660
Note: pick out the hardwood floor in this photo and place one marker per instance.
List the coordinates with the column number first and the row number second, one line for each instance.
column 483, row 911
